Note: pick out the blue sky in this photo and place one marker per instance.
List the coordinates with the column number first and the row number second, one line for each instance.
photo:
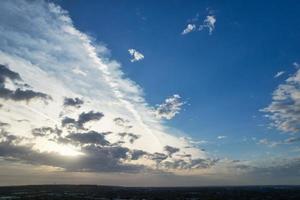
column 149, row 92
column 226, row 77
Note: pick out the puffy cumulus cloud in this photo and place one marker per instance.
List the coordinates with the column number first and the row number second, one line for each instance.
column 17, row 94
column 189, row 28
column 37, row 42
column 284, row 110
column 209, row 23
column 136, row 56
column 169, row 108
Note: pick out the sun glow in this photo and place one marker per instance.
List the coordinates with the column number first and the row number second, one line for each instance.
column 65, row 150
column 62, row 149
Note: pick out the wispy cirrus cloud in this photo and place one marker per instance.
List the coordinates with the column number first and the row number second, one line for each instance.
column 37, row 42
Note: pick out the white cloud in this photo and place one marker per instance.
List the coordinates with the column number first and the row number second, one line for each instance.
column 38, row 41
column 189, row 28
column 209, row 23
column 220, row 137
column 169, row 108
column 284, row 110
column 279, row 74
column 136, row 56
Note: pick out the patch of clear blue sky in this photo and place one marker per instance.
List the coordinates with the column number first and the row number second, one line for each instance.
column 226, row 77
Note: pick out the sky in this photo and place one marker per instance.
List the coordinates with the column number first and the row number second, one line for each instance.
column 149, row 93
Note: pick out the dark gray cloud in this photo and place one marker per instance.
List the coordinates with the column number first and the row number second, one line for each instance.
column 18, row 94
column 75, row 102
column 95, row 158
column 45, row 131
column 67, row 121
column 163, row 162
column 87, row 117
column 3, row 124
column 108, row 159
column 118, row 143
column 137, row 154
column 82, row 119
column 131, row 136
column 8, row 138
column 203, row 163
column 98, row 154
column 91, row 137
column 176, row 164
column 189, row 164
column 26, row 95
column 170, row 150
column 122, row 122
column 6, row 73
column 158, row 157
column 185, row 156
